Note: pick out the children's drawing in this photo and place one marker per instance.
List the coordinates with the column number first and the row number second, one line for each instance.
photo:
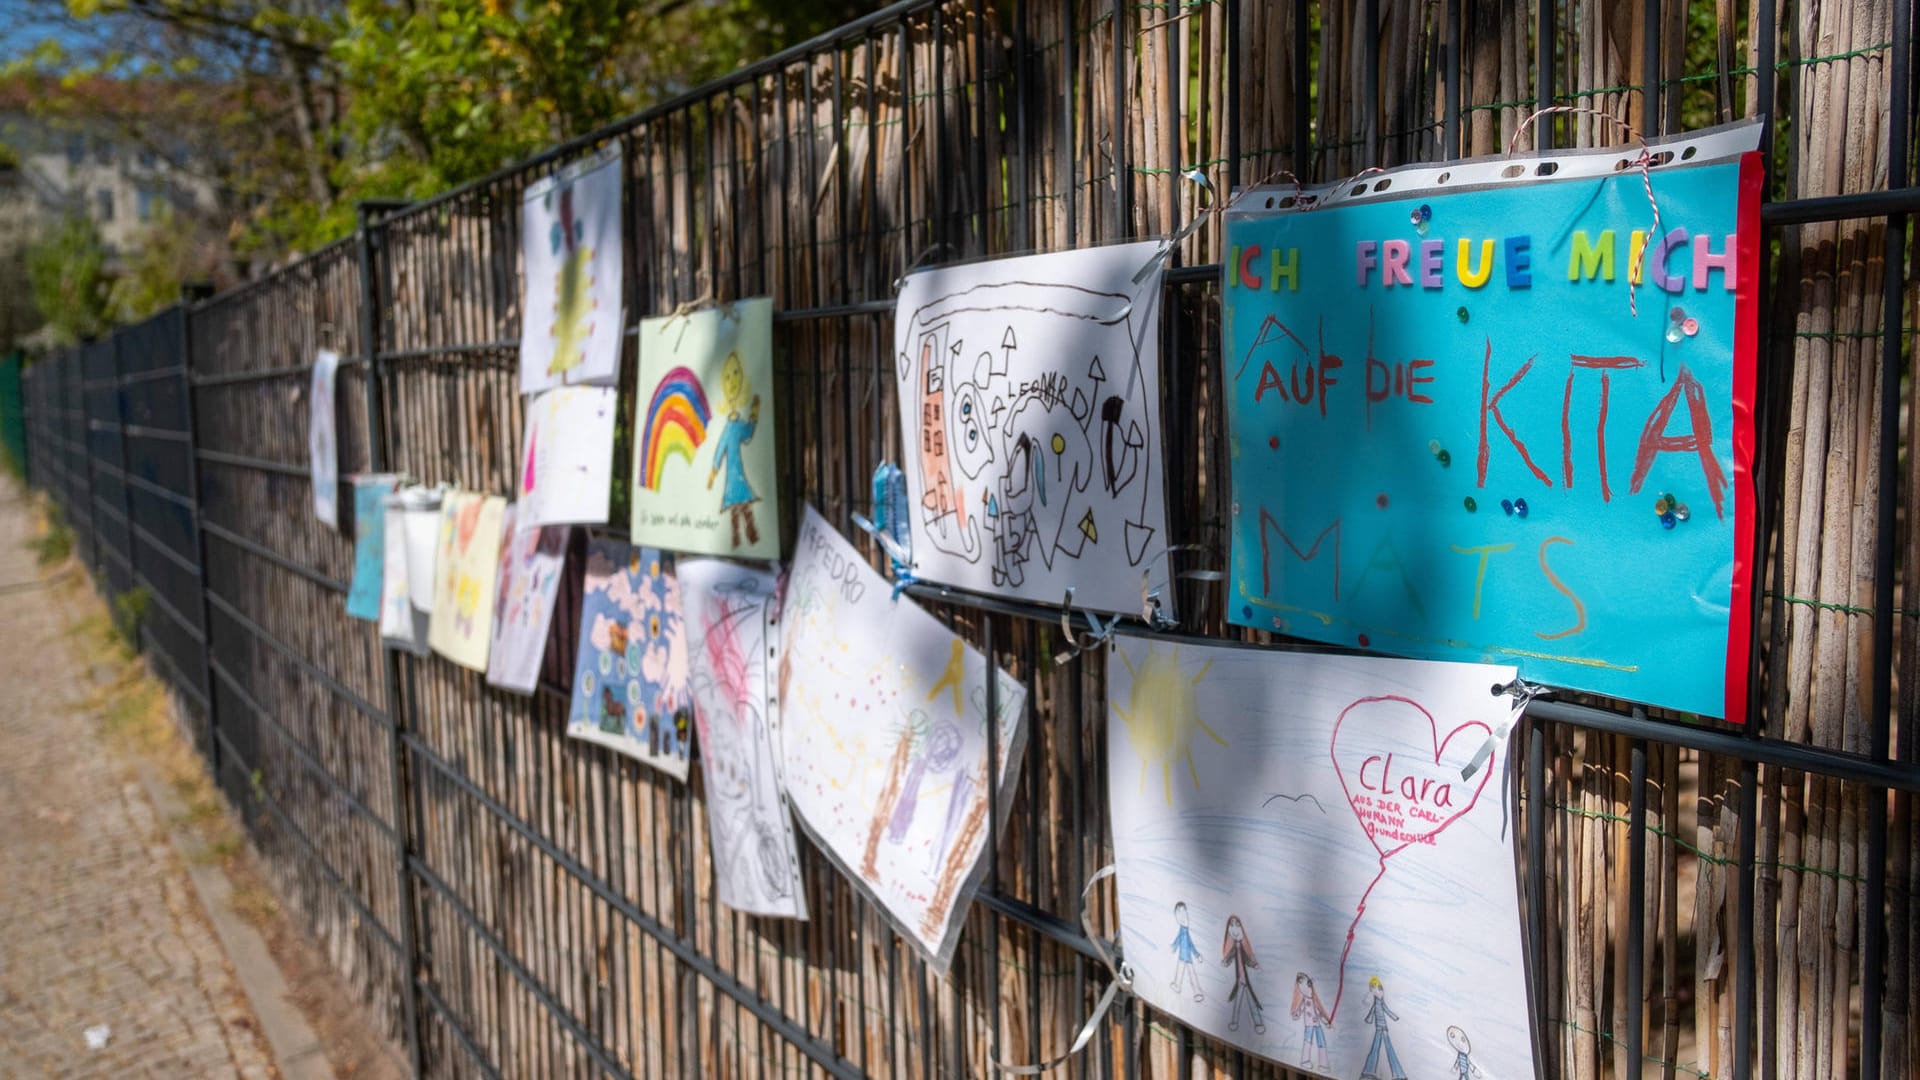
column 422, row 519
column 1312, row 1015
column 730, row 611
column 1185, row 955
column 566, row 464
column 570, row 249
column 704, row 434
column 411, row 544
column 1237, row 951
column 369, row 542
column 463, row 594
column 463, row 577
column 1348, row 770
column 1463, row 1067
column 532, row 558
column 323, row 440
column 883, row 727
column 630, row 684
column 1494, row 421
column 1029, row 403
column 1378, row 1014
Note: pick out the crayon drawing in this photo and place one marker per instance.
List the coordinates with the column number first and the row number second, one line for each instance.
column 884, row 738
column 630, row 688
column 1396, row 921
column 1029, row 401
column 464, row 573
column 570, row 248
column 566, row 463
column 369, row 543
column 704, row 434
column 532, row 558
column 730, row 611
column 411, row 542
column 323, row 441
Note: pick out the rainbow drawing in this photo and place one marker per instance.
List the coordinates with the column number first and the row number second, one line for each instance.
column 676, row 424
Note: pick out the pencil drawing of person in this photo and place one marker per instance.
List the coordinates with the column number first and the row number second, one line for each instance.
column 1185, row 954
column 1313, row 1021
column 737, row 495
column 1463, row 1066
column 1237, row 950
column 1378, row 1014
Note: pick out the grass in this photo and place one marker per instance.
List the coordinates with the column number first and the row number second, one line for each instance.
column 138, row 719
column 53, row 541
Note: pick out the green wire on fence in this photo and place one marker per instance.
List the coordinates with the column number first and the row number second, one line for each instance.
column 1828, row 605
column 1704, row 856
column 1784, row 65
column 1690, row 1070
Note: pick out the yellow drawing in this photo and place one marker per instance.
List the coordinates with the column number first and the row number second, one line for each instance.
column 952, row 676
column 573, row 299
column 1161, row 712
column 466, row 603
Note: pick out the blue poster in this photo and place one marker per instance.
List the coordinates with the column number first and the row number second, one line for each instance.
column 1505, row 422
column 369, row 543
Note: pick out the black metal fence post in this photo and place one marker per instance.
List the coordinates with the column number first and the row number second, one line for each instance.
column 189, row 295
column 399, row 779
column 134, row 616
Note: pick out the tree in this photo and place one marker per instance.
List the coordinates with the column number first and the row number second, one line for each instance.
column 18, row 315
column 171, row 252
column 299, row 110
column 68, row 275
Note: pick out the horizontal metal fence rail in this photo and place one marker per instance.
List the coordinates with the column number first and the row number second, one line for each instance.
column 515, row 903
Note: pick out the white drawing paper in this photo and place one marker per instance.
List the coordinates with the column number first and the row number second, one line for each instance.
column 461, row 624
column 566, row 459
column 532, row 558
column 403, row 619
column 729, row 611
column 1303, row 870
column 883, row 737
column 1029, row 406
column 323, row 441
column 570, row 249
column 420, row 517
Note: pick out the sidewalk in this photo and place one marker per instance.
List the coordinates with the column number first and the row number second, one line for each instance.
column 99, row 924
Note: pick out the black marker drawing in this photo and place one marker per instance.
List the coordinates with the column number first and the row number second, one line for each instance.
column 1030, row 412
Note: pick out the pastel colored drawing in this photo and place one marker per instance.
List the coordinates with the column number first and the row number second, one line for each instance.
column 573, row 299
column 676, row 424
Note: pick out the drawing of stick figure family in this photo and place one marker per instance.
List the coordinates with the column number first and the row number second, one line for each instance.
column 1306, row 1007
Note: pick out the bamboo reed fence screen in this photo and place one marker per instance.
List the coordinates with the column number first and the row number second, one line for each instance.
column 1700, row 899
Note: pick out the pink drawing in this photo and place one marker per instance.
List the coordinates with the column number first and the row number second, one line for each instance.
column 526, row 471
column 1393, row 767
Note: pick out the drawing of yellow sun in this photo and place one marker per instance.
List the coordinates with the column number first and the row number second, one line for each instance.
column 1161, row 712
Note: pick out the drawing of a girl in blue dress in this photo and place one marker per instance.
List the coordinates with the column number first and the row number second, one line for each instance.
column 737, row 495
column 1313, row 1021
column 1238, row 951
column 1185, row 955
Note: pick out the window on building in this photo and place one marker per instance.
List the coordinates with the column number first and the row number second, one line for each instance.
column 76, row 149
column 148, row 159
column 102, row 151
column 103, row 204
column 148, row 203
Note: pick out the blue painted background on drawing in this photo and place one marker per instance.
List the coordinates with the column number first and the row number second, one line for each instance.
column 369, row 545
column 1377, row 429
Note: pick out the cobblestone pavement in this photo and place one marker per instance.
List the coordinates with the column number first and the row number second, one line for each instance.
column 98, row 923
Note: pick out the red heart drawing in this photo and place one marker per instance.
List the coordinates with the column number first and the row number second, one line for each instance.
column 1391, row 761
column 468, row 521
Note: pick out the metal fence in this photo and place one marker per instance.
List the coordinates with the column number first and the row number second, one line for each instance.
column 1699, row 898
